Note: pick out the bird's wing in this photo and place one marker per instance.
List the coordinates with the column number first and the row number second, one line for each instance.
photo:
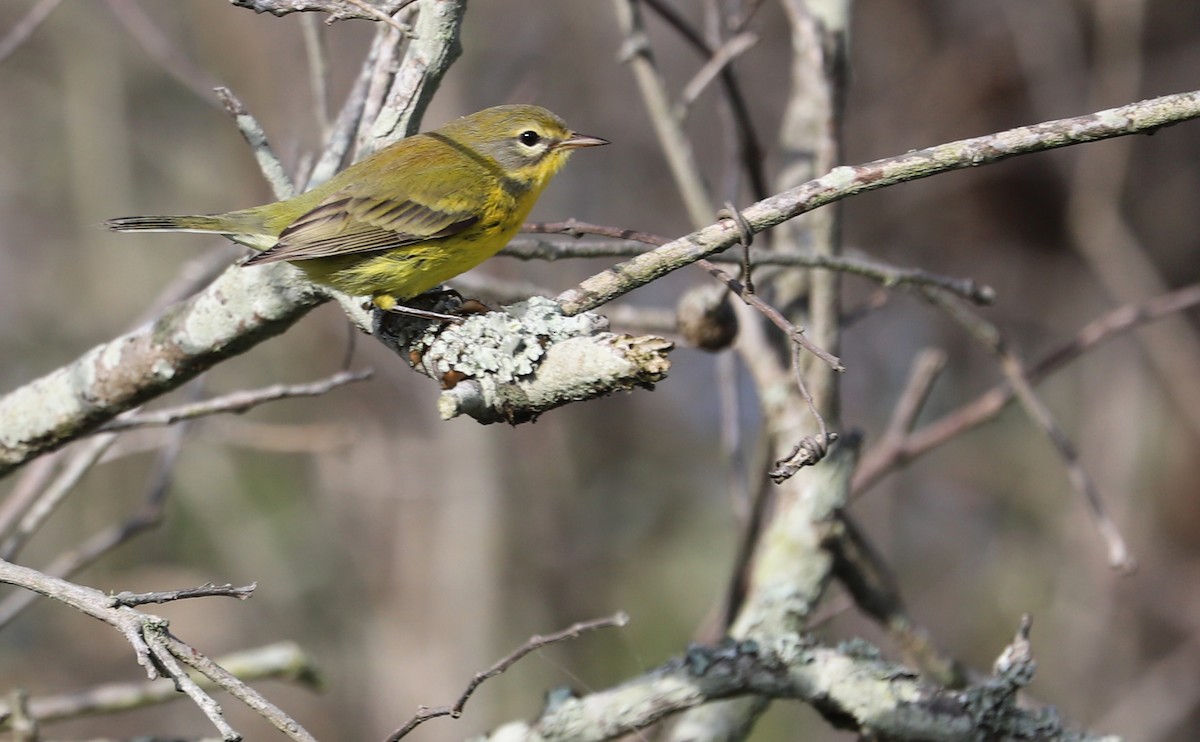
column 344, row 224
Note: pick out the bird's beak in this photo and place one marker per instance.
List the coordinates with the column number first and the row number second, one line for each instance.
column 575, row 141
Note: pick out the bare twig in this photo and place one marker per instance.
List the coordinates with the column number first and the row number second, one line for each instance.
column 206, row 590
column 379, row 15
column 338, row 10
column 988, row 404
column 236, row 688
column 49, row 500
column 159, row 46
column 749, row 148
column 1014, row 371
column 676, row 146
column 711, row 70
column 254, row 135
column 91, row 549
column 619, row 247
column 318, row 71
column 157, row 651
column 281, row 661
column 236, row 402
column 926, row 368
column 793, row 333
column 843, row 182
column 536, row 642
column 25, row 27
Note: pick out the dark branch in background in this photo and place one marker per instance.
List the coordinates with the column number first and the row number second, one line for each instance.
column 893, row 454
column 1014, row 370
column 628, row 243
column 425, row 713
column 749, row 149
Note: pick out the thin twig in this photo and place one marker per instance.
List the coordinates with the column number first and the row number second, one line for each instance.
column 794, row 334
column 749, row 149
column 25, row 27
column 235, row 687
column 536, row 642
column 1014, row 371
column 378, row 14
column 318, row 71
column 711, row 70
column 159, row 46
column 236, row 402
column 337, row 9
column 987, row 405
column 49, row 500
column 634, row 244
column 254, row 135
column 105, row 541
column 675, row 144
column 206, row 590
column 845, row 181
column 280, row 661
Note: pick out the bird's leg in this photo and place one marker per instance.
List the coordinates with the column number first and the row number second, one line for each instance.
column 426, row 314
column 388, row 303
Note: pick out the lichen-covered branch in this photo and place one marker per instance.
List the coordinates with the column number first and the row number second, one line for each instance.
column 513, row 365
column 242, row 308
column 849, row 685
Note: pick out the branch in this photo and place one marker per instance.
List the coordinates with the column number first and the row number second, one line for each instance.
column 536, row 642
column 338, row 10
column 842, row 182
column 240, row 309
column 281, row 661
column 24, row 28
column 897, row 453
column 889, row 276
column 849, row 686
column 515, row 364
column 156, row 649
column 207, row 590
column 236, row 402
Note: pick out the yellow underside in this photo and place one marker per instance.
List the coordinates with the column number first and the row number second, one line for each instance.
column 393, row 276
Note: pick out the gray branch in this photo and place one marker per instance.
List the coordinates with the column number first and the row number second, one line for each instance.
column 513, row 365
column 848, row 685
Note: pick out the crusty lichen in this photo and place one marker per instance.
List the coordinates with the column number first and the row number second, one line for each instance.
column 513, row 364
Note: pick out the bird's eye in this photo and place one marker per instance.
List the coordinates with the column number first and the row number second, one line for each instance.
column 530, row 138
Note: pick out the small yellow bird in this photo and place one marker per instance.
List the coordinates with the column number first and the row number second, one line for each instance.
column 410, row 216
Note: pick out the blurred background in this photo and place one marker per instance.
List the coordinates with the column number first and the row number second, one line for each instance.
column 407, row 553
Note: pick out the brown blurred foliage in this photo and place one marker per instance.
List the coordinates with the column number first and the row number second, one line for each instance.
column 407, row 553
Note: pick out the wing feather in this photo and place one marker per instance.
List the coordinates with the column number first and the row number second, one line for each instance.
column 343, row 225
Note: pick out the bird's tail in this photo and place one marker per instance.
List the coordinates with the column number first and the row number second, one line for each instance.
column 218, row 223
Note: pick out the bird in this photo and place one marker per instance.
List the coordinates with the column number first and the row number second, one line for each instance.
column 410, row 216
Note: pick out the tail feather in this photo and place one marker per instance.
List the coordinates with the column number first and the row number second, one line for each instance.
column 219, row 224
